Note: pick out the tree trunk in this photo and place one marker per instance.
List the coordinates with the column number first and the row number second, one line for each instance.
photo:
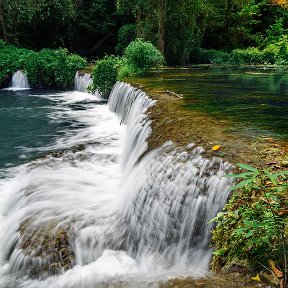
column 139, row 31
column 99, row 43
column 228, row 13
column 3, row 28
column 161, row 26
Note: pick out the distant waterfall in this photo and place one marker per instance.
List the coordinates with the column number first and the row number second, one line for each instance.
column 20, row 80
column 82, row 82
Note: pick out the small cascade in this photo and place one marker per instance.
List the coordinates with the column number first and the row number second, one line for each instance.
column 82, row 82
column 130, row 104
column 19, row 81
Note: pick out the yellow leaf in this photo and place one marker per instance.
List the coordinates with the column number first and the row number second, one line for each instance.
column 256, row 278
column 216, row 147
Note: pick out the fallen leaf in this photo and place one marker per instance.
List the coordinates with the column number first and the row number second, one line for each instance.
column 256, row 278
column 276, row 271
column 282, row 212
column 216, row 147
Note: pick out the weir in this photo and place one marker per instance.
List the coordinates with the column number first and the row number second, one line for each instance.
column 116, row 210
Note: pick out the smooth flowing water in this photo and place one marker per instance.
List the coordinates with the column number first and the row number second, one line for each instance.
column 82, row 207
column 19, row 81
column 255, row 100
column 82, row 82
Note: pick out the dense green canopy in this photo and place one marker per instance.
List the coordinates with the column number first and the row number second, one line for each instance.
column 177, row 28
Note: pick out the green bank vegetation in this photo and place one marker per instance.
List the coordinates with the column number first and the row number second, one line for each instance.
column 46, row 68
column 139, row 57
column 274, row 53
column 253, row 228
column 95, row 28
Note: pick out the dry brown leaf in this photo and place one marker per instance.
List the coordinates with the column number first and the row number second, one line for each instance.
column 276, row 271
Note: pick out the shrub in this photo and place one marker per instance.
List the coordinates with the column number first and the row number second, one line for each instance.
column 203, row 56
column 282, row 58
column 138, row 58
column 270, row 54
column 58, row 67
column 251, row 56
column 105, row 74
column 254, row 226
column 48, row 68
column 143, row 56
column 126, row 35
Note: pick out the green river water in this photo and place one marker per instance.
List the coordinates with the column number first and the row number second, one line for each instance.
column 254, row 100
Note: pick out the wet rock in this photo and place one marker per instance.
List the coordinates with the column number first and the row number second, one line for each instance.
column 47, row 249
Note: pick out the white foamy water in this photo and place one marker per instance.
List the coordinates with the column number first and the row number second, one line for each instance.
column 129, row 222
column 82, row 82
column 19, row 81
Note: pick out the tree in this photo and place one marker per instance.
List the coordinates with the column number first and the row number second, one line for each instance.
column 97, row 26
column 175, row 27
column 37, row 23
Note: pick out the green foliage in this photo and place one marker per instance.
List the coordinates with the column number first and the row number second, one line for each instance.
column 126, row 34
column 254, row 224
column 105, row 74
column 211, row 56
column 143, row 56
column 38, row 23
column 139, row 57
column 184, row 29
column 276, row 31
column 250, row 56
column 127, row 70
column 276, row 53
column 96, row 26
column 48, row 68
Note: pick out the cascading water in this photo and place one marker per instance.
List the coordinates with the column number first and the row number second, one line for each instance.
column 97, row 210
column 82, row 82
column 19, row 81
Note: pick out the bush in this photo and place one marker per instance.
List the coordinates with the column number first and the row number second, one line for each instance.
column 105, row 74
column 126, row 35
column 48, row 68
column 282, row 58
column 254, row 226
column 203, row 56
column 58, row 67
column 143, row 56
column 276, row 53
column 270, row 54
column 138, row 58
column 251, row 56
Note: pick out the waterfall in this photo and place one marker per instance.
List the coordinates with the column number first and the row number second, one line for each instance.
column 19, row 81
column 173, row 192
column 82, row 82
column 104, row 208
column 130, row 105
